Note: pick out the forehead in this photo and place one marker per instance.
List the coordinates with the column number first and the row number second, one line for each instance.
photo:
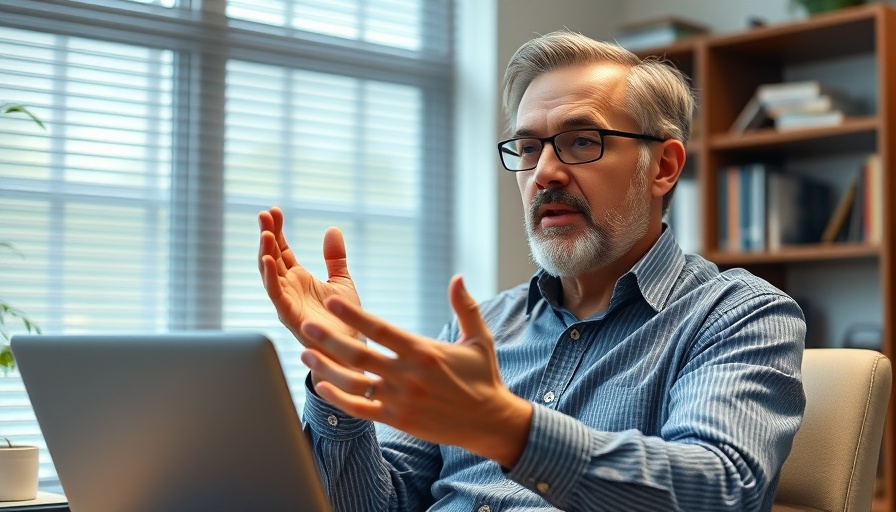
column 580, row 94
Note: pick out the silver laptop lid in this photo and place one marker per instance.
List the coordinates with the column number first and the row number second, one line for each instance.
column 175, row 422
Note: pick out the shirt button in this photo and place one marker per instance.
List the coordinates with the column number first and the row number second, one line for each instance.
column 543, row 488
column 574, row 334
column 548, row 397
column 332, row 420
column 484, row 508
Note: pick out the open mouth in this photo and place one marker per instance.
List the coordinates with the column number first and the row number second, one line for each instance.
column 557, row 215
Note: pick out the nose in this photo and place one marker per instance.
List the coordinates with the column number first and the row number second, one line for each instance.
column 550, row 171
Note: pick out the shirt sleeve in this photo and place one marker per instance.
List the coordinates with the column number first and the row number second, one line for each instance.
column 734, row 408
column 363, row 469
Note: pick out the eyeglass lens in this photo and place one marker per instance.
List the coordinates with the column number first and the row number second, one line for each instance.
column 578, row 146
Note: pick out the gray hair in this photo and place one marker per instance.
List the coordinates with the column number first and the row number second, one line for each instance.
column 659, row 97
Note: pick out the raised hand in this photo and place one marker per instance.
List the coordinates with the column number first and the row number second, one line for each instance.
column 297, row 295
column 441, row 392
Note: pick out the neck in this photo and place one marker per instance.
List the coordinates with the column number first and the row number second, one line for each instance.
column 586, row 294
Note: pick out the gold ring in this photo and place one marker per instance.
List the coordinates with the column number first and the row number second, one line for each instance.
column 369, row 391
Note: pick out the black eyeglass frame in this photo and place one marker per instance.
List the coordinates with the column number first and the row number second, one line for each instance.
column 600, row 131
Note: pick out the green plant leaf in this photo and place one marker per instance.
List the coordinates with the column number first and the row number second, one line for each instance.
column 14, row 108
column 7, row 361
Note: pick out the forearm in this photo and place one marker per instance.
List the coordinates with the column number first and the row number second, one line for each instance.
column 576, row 468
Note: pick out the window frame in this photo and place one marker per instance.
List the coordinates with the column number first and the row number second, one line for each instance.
column 196, row 37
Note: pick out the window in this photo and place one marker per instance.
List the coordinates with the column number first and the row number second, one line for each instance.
column 169, row 129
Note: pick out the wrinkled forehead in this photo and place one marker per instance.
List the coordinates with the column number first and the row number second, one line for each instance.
column 590, row 91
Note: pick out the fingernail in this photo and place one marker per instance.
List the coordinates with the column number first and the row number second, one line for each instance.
column 308, row 359
column 463, row 286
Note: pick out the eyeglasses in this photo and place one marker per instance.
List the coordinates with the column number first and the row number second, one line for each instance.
column 572, row 147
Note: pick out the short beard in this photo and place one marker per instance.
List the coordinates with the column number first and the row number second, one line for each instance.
column 547, row 246
column 598, row 245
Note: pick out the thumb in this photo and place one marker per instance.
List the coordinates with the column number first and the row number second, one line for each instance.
column 334, row 255
column 472, row 326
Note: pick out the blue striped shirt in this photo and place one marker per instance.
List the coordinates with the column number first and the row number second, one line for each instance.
column 684, row 394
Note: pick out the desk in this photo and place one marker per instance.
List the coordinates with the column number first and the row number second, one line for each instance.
column 45, row 501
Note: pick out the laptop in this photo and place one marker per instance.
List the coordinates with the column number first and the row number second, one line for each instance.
column 168, row 423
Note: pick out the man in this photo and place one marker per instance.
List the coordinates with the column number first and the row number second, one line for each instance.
column 624, row 376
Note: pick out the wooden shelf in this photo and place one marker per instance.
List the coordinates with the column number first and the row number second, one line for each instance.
column 822, row 37
column 796, row 254
column 856, row 133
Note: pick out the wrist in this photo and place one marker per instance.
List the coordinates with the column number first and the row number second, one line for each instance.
column 507, row 444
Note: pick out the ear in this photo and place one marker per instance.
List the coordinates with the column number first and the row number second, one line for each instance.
column 669, row 167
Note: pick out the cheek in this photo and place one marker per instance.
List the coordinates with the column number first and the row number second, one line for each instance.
column 523, row 181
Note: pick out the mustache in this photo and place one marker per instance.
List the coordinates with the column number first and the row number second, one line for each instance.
column 556, row 196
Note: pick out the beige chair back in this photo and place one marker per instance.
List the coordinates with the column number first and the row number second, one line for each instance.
column 833, row 463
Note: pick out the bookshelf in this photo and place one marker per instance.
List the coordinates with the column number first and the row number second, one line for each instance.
column 844, row 283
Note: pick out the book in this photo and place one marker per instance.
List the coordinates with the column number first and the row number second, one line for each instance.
column 734, row 210
column 840, row 218
column 874, row 199
column 756, row 227
column 855, row 231
column 800, row 120
column 792, row 105
column 742, row 207
column 798, row 210
column 784, row 92
column 657, row 32
column 752, row 116
column 823, row 103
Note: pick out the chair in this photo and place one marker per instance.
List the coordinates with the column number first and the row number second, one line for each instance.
column 833, row 463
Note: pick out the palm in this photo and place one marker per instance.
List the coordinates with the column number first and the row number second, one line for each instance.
column 296, row 294
column 303, row 299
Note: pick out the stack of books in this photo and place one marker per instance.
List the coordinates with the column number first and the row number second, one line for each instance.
column 657, row 32
column 762, row 208
column 794, row 105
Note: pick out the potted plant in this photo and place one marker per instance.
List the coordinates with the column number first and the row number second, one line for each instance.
column 18, row 471
column 18, row 464
column 819, row 6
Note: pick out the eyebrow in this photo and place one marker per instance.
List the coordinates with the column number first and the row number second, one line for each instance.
column 567, row 124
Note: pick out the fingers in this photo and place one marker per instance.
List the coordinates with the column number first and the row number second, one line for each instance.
column 272, row 222
column 345, row 350
column 472, row 325
column 334, row 255
column 270, row 277
column 397, row 340
column 268, row 247
column 289, row 257
column 325, row 369
column 351, row 404
column 265, row 224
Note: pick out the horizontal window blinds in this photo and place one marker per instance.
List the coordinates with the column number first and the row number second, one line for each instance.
column 168, row 130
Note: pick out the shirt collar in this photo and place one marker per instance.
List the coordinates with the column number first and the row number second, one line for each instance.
column 654, row 275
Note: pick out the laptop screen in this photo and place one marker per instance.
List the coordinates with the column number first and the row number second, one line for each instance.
column 175, row 422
